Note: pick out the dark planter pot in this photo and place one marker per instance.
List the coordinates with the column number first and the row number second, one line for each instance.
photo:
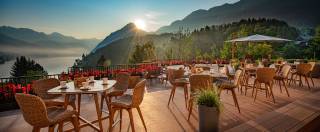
column 208, row 119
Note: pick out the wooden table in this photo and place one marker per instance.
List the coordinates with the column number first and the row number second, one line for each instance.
column 95, row 88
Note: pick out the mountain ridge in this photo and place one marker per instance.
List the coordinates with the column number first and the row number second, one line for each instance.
column 128, row 30
column 291, row 11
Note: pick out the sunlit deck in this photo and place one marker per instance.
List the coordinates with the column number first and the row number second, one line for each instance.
column 159, row 117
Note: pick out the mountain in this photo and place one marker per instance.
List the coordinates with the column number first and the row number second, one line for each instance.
column 207, row 41
column 24, row 41
column 299, row 13
column 128, row 30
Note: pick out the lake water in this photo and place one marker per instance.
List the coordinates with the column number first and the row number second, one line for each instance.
column 53, row 65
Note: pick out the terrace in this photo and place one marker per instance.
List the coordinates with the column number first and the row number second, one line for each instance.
column 299, row 112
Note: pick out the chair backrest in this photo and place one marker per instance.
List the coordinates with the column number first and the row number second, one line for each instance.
column 78, row 81
column 313, row 64
column 304, row 68
column 265, row 75
column 40, row 87
column 133, row 80
column 138, row 93
column 178, row 73
column 122, row 81
column 237, row 77
column 285, row 70
column 198, row 82
column 33, row 109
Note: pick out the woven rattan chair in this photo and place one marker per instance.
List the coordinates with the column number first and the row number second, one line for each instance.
column 230, row 86
column 41, row 87
column 265, row 76
column 119, row 88
column 128, row 102
column 36, row 114
column 198, row 82
column 176, row 79
column 282, row 77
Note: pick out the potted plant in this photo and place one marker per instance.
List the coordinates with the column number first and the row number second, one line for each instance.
column 209, row 107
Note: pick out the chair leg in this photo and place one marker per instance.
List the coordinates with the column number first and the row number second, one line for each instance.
column 141, row 117
column 111, row 114
column 235, row 99
column 75, row 123
column 60, row 127
column 300, row 81
column 255, row 88
column 312, row 80
column 131, row 120
column 186, row 95
column 36, row 129
column 190, row 108
column 280, row 86
column 305, row 77
column 270, row 88
column 171, row 94
column 285, row 87
column 51, row 128
column 120, row 119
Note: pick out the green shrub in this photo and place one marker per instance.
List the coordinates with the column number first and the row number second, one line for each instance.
column 209, row 98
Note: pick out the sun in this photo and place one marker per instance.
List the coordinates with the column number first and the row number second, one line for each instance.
column 140, row 24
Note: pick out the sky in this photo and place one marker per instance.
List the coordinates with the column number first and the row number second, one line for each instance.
column 96, row 18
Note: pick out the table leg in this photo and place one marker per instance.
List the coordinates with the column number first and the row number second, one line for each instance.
column 66, row 101
column 98, row 111
column 79, row 104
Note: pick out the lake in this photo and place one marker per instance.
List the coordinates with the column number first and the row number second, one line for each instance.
column 53, row 65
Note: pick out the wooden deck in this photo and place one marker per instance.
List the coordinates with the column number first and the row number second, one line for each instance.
column 161, row 118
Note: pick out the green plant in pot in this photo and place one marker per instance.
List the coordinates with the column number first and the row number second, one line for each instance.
column 209, row 108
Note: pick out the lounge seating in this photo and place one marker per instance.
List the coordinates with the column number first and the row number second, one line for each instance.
column 128, row 102
column 38, row 115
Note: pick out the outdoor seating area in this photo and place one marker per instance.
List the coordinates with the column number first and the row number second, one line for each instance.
column 165, row 98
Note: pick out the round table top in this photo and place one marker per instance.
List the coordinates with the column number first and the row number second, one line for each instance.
column 95, row 87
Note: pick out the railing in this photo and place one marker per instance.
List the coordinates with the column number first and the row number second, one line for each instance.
column 12, row 85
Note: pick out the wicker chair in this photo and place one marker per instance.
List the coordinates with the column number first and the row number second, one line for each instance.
column 41, row 87
column 128, row 102
column 265, row 76
column 302, row 70
column 230, row 86
column 119, row 88
column 36, row 114
column 282, row 77
column 198, row 82
column 176, row 79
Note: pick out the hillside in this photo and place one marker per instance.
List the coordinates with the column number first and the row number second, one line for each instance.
column 129, row 30
column 27, row 42
column 299, row 13
column 207, row 40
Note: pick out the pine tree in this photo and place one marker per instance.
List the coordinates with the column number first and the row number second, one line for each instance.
column 25, row 67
